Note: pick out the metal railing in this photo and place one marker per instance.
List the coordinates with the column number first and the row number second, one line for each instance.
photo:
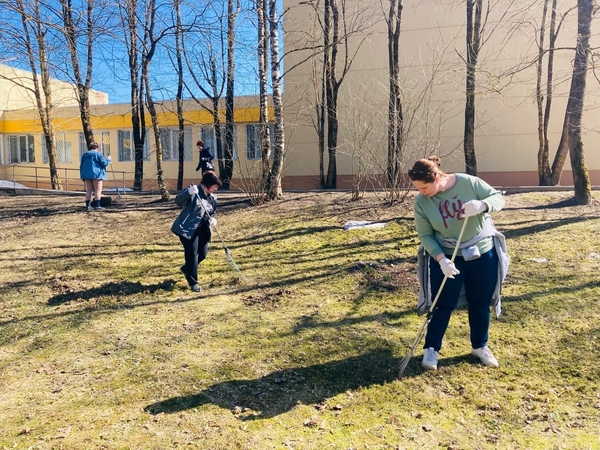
column 39, row 177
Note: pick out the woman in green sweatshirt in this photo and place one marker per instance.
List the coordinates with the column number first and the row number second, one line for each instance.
column 443, row 203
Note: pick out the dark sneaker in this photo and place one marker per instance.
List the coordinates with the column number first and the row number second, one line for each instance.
column 196, row 288
column 89, row 208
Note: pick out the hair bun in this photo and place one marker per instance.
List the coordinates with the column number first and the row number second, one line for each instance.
column 436, row 160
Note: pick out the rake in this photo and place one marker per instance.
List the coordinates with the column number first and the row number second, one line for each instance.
column 423, row 329
column 227, row 252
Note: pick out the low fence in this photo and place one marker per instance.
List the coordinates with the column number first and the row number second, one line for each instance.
column 38, row 177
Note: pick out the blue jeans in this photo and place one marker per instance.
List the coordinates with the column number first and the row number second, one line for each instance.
column 479, row 277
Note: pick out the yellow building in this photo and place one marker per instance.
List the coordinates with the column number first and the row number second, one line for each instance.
column 432, row 48
column 23, row 157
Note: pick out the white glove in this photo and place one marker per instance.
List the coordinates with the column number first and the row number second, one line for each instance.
column 193, row 189
column 448, row 267
column 474, row 207
column 212, row 222
column 109, row 159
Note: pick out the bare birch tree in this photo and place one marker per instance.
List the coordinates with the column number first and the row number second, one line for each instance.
column 338, row 24
column 275, row 191
column 395, row 114
column 263, row 64
column 571, row 136
column 75, row 24
column 544, row 97
column 129, row 11
column 31, row 42
column 149, row 49
column 478, row 31
column 178, row 63
column 233, row 8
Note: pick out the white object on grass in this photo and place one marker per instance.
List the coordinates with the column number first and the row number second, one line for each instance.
column 352, row 224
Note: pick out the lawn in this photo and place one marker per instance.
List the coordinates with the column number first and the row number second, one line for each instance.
column 103, row 346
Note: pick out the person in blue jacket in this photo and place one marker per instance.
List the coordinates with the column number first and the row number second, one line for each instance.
column 205, row 159
column 92, row 171
column 193, row 223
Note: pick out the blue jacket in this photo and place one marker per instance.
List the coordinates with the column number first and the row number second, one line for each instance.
column 93, row 166
column 193, row 215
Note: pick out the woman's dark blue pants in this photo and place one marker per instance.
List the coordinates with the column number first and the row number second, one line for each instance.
column 479, row 277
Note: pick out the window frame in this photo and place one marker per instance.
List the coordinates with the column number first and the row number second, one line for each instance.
column 64, row 155
column 252, row 141
column 120, row 138
column 29, row 149
column 171, row 136
column 207, row 133
column 103, row 143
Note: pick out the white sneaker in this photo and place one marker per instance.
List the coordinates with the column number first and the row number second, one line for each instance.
column 485, row 355
column 430, row 359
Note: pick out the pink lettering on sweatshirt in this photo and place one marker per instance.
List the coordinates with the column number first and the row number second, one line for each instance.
column 450, row 209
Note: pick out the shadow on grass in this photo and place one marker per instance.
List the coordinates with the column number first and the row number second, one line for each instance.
column 120, row 288
column 282, row 390
column 542, row 225
column 566, row 203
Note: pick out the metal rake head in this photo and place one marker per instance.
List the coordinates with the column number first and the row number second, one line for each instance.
column 404, row 364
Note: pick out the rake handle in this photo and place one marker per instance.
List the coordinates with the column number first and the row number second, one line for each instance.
column 458, row 241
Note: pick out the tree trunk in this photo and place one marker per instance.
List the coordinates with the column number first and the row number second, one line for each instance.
column 165, row 195
column 38, row 63
column 395, row 114
column 229, row 94
column 331, row 88
column 473, row 47
column 543, row 160
column 573, row 118
column 275, row 190
column 71, row 30
column 263, row 64
column 179, row 95
column 546, row 173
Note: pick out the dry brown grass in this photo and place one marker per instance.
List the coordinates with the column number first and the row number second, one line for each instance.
column 103, row 347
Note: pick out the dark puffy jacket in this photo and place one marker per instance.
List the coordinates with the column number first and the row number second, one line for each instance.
column 192, row 215
column 205, row 161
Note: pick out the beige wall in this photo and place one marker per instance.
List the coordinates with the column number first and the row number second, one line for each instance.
column 431, row 44
column 16, row 94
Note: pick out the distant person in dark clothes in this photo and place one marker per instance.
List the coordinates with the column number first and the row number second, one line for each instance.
column 206, row 157
column 92, row 171
column 193, row 223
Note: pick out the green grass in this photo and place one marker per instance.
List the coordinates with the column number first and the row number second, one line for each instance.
column 102, row 346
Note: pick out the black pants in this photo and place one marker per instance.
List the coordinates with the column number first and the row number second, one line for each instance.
column 195, row 250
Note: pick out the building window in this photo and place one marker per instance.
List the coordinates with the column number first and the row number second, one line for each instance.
column 169, row 140
column 126, row 147
column 253, row 140
column 208, row 136
column 102, row 139
column 62, row 142
column 21, row 149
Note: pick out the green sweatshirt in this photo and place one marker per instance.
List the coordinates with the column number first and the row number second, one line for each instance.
column 440, row 216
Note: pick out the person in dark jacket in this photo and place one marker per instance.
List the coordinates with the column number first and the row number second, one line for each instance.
column 193, row 223
column 206, row 157
column 92, row 171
